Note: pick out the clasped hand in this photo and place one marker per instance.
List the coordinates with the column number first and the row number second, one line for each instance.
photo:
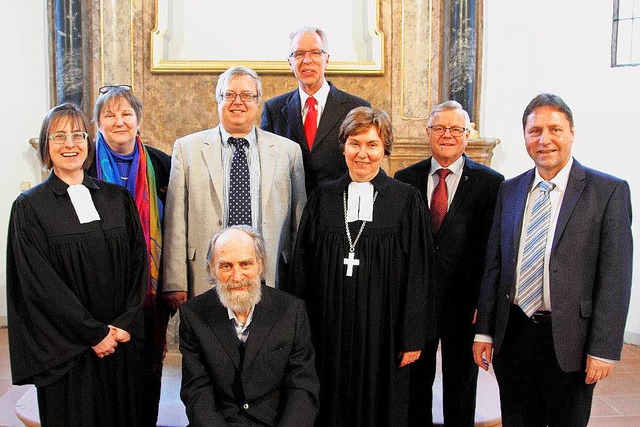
column 108, row 345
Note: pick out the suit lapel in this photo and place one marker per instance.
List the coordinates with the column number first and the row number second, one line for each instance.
column 267, row 166
column 264, row 318
column 421, row 176
column 292, row 114
column 516, row 204
column 575, row 185
column 464, row 186
column 219, row 322
column 212, row 153
column 333, row 112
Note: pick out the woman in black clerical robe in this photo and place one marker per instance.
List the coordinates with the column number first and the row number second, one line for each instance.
column 361, row 264
column 76, row 279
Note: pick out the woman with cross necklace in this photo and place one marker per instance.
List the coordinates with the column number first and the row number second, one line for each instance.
column 362, row 265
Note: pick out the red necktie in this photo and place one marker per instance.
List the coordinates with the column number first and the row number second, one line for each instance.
column 311, row 121
column 439, row 200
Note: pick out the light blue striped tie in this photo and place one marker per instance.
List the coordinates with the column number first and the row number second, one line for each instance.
column 532, row 268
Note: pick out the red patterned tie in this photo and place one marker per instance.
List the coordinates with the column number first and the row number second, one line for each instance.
column 439, row 200
column 311, row 121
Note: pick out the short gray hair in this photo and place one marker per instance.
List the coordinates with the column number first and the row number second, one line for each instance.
column 311, row 29
column 232, row 72
column 258, row 247
column 114, row 95
column 450, row 105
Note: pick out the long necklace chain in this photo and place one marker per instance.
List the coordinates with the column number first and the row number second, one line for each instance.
column 352, row 245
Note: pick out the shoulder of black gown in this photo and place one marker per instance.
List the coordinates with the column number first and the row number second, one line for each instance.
column 36, row 343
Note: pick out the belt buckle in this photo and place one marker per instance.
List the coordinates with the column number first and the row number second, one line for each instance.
column 541, row 317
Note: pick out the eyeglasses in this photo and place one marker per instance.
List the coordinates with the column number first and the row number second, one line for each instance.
column 107, row 88
column 244, row 96
column 455, row 130
column 300, row 54
column 60, row 138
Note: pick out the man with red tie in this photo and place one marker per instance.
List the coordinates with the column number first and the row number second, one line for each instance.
column 461, row 196
column 311, row 115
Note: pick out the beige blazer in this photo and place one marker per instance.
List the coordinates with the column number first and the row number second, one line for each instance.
column 195, row 206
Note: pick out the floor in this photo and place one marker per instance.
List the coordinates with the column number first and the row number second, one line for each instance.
column 616, row 401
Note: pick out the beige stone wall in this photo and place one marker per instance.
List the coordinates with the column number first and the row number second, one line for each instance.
column 182, row 103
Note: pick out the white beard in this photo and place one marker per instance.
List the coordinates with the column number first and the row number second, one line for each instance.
column 239, row 301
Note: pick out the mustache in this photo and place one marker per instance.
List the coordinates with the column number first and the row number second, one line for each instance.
column 232, row 284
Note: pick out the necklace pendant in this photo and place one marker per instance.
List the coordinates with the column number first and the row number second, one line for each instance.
column 350, row 263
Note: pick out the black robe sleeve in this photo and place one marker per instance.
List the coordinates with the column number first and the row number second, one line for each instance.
column 129, row 320
column 296, row 284
column 47, row 323
column 419, row 314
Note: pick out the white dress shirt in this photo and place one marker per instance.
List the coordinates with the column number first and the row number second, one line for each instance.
column 452, row 180
column 253, row 160
column 321, row 99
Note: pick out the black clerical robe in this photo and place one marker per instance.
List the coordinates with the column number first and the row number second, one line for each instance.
column 360, row 323
column 66, row 282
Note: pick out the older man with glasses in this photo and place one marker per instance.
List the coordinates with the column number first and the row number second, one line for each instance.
column 233, row 174
column 461, row 195
column 311, row 115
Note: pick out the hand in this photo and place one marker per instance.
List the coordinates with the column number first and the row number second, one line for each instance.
column 597, row 370
column 120, row 335
column 107, row 346
column 482, row 354
column 175, row 299
column 408, row 357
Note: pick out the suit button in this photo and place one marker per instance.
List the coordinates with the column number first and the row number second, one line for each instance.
column 245, row 406
column 220, row 222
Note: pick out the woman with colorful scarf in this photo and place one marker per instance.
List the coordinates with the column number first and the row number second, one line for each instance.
column 121, row 158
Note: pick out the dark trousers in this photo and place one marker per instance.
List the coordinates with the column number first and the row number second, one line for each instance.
column 151, row 385
column 156, row 318
column 459, row 380
column 534, row 390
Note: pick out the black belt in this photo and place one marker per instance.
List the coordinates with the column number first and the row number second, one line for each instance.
column 541, row 317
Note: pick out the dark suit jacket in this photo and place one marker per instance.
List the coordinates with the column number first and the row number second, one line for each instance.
column 325, row 161
column 278, row 375
column 460, row 244
column 589, row 266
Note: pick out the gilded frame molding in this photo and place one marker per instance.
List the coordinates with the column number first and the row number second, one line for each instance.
column 160, row 64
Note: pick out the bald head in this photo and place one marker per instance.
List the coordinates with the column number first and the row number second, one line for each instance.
column 236, row 262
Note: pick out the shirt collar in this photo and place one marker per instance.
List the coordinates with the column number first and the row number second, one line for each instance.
column 321, row 96
column 455, row 167
column 380, row 182
column 560, row 180
column 250, row 136
column 60, row 187
column 232, row 316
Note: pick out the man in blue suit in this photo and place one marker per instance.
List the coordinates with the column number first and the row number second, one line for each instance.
column 557, row 282
column 311, row 114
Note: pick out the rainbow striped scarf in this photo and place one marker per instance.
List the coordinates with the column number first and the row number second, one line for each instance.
column 141, row 183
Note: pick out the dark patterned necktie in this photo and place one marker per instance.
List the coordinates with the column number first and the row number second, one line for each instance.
column 239, row 188
column 439, row 200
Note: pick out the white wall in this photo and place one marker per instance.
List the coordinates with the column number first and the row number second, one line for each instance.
column 531, row 46
column 25, row 99
column 563, row 47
